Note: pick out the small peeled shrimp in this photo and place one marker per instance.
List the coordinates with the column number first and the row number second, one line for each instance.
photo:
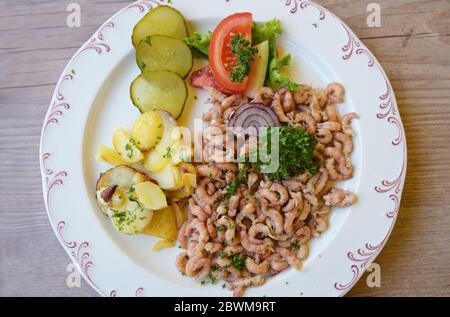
column 335, row 93
column 233, row 249
column 320, row 223
column 331, row 113
column 194, row 248
column 346, row 123
column 209, row 171
column 339, row 197
column 248, row 212
column 213, row 247
column 315, row 109
column 197, row 211
column 345, row 168
column 228, row 102
column 281, row 192
column 347, row 143
column 233, row 204
column 312, row 199
column 255, row 248
column 287, row 102
column 289, row 257
column 182, row 236
column 322, row 182
column 264, row 95
column 230, row 232
column 277, row 263
column 239, row 285
column 289, row 222
column 302, row 95
column 330, row 125
column 290, row 206
column 233, row 167
column 275, row 219
column 349, row 199
column 198, row 266
column 256, row 268
column 214, row 113
column 277, row 107
column 252, row 181
column 307, row 119
column 181, row 261
column 305, row 211
column 334, row 152
column 198, row 226
column 203, row 195
column 324, row 136
column 256, row 231
column 304, row 234
column 212, row 231
column 302, row 252
column 321, row 95
column 277, row 194
column 331, row 169
column 293, row 184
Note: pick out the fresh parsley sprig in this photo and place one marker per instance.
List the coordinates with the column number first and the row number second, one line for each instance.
column 244, row 57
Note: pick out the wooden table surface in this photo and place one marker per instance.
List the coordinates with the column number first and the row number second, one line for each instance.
column 413, row 45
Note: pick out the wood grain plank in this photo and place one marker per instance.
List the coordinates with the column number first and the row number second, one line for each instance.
column 413, row 46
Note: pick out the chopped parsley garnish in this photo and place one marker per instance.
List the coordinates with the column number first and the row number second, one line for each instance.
column 244, row 57
column 168, row 154
column 224, row 285
column 141, row 65
column 233, row 186
column 129, row 150
column 230, row 190
column 296, row 152
column 295, row 246
column 221, row 228
column 133, row 198
column 213, row 279
column 213, row 268
column 238, row 261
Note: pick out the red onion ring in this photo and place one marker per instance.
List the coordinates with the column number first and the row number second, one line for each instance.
column 253, row 115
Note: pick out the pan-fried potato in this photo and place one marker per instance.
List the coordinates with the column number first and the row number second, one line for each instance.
column 155, row 161
column 122, row 176
column 181, row 193
column 110, row 156
column 181, row 152
column 147, row 130
column 163, row 244
column 163, row 225
column 117, row 199
column 151, row 196
column 169, row 178
column 180, row 215
column 125, row 145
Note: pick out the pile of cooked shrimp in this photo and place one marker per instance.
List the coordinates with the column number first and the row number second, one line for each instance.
column 265, row 226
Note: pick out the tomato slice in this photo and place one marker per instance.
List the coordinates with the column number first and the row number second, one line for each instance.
column 221, row 58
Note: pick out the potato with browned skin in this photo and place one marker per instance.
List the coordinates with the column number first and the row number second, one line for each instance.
column 116, row 195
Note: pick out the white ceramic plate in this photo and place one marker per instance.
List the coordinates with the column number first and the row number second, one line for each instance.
column 91, row 100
